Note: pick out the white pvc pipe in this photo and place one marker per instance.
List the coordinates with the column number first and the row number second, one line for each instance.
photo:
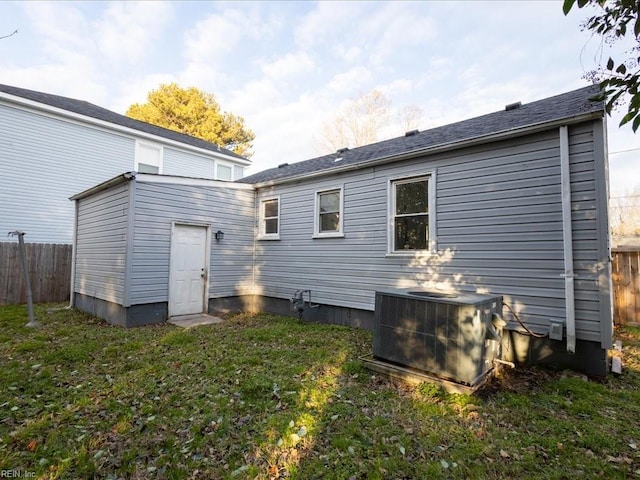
column 567, row 237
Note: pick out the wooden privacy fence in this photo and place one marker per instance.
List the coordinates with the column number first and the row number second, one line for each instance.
column 626, row 285
column 49, row 272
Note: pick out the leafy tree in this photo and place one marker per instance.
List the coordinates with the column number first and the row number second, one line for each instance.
column 196, row 113
column 614, row 21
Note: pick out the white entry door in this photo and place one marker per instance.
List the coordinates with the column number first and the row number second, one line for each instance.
column 188, row 270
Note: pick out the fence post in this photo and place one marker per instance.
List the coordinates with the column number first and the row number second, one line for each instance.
column 25, row 269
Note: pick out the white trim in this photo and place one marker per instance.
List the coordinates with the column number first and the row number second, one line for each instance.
column 316, row 214
column 54, row 112
column 207, row 264
column 432, row 247
column 261, row 233
column 155, row 146
column 567, row 239
column 191, row 181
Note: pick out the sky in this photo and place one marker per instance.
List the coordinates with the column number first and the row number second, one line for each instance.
column 288, row 68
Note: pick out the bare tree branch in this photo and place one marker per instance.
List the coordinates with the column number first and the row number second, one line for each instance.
column 364, row 120
column 10, row 35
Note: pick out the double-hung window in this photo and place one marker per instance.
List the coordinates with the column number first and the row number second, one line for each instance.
column 270, row 218
column 224, row 171
column 148, row 158
column 410, row 215
column 328, row 213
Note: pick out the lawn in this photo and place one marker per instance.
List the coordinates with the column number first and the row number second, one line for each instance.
column 270, row 397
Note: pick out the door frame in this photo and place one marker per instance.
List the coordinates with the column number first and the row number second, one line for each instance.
column 207, row 262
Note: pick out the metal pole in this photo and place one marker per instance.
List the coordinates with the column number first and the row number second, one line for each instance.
column 25, row 271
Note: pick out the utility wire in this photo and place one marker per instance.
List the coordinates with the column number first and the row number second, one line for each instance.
column 625, row 151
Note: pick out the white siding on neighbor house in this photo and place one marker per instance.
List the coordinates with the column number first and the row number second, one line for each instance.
column 45, row 160
column 499, row 230
column 100, row 253
column 221, row 208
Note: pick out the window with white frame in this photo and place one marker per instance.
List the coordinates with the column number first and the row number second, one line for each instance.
column 328, row 218
column 270, row 218
column 148, row 158
column 238, row 172
column 411, row 221
column 224, row 171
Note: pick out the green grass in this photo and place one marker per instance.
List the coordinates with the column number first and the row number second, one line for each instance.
column 269, row 397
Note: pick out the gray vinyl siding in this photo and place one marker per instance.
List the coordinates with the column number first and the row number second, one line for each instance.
column 499, row 230
column 100, row 254
column 45, row 160
column 220, row 208
column 176, row 162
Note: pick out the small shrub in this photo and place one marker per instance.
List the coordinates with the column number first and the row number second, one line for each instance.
column 430, row 390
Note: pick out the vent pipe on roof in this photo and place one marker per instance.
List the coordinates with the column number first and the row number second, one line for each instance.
column 342, row 150
column 411, row 133
column 512, row 106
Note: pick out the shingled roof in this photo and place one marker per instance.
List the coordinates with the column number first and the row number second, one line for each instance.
column 90, row 110
column 515, row 117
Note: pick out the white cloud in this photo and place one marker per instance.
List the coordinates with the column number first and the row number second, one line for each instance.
column 328, row 22
column 57, row 79
column 285, row 131
column 253, row 97
column 214, row 37
column 289, row 65
column 136, row 90
column 348, row 53
column 350, row 82
column 58, row 24
column 397, row 26
column 126, row 31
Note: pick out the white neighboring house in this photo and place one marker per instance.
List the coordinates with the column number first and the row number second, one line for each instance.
column 52, row 147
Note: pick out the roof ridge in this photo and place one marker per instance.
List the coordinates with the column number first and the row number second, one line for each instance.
column 555, row 108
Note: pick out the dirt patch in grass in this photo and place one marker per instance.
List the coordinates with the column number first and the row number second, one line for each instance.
column 270, row 397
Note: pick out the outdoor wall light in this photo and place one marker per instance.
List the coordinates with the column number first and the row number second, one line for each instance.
column 219, row 235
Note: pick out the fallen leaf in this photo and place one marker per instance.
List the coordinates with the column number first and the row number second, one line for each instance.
column 504, row 454
column 444, row 463
column 31, row 446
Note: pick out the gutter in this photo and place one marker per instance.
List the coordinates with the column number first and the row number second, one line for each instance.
column 24, row 103
column 125, row 177
column 567, row 240
column 443, row 147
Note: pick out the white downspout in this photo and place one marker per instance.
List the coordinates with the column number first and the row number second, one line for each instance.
column 567, row 236
column 72, row 297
